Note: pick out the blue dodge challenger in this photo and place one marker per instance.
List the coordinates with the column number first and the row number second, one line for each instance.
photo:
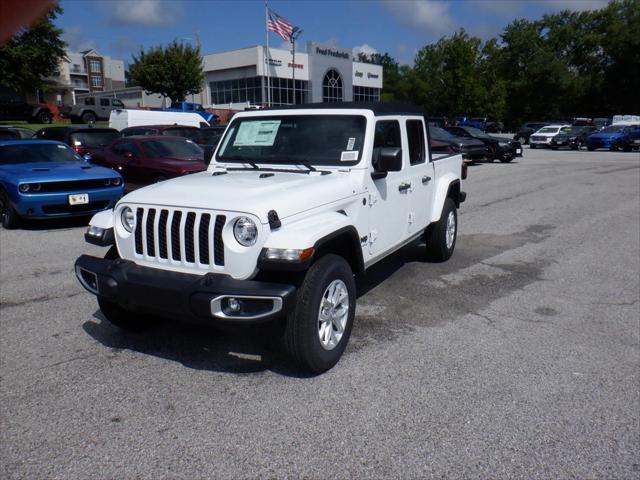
column 46, row 179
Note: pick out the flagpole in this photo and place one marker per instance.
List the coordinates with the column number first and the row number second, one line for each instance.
column 266, row 27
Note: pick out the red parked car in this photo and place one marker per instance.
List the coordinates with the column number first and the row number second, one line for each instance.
column 148, row 159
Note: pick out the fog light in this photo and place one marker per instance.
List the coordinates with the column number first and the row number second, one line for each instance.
column 234, row 305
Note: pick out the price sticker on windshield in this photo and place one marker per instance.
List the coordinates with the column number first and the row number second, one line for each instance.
column 79, row 199
column 260, row 133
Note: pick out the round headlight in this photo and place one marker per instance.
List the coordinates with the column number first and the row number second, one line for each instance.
column 35, row 187
column 245, row 231
column 107, row 182
column 115, row 181
column 24, row 188
column 128, row 219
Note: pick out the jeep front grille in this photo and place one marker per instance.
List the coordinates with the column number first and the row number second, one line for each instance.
column 188, row 237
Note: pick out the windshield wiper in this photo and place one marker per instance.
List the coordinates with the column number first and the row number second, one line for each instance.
column 241, row 159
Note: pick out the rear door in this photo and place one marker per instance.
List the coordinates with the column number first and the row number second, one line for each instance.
column 389, row 196
column 421, row 176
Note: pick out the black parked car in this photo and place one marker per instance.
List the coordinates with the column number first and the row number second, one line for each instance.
column 502, row 149
column 573, row 137
column 14, row 109
column 472, row 150
column 83, row 139
column 8, row 132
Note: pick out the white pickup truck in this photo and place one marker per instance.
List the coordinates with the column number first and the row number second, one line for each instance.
column 295, row 204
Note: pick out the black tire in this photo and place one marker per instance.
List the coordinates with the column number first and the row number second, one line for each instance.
column 88, row 117
column 121, row 318
column 438, row 249
column 626, row 148
column 44, row 117
column 301, row 337
column 590, row 148
column 532, row 146
column 8, row 215
column 523, row 140
column 506, row 158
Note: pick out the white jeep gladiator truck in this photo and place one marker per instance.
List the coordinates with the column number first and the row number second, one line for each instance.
column 295, row 204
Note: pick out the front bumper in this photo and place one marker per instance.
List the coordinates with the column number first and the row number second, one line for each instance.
column 56, row 204
column 182, row 296
column 474, row 154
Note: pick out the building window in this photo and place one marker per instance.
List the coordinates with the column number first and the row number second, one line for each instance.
column 96, row 82
column 332, row 87
column 95, row 67
column 250, row 90
column 366, row 94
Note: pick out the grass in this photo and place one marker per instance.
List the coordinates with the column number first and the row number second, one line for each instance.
column 38, row 126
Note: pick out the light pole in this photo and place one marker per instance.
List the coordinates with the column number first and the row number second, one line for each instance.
column 295, row 33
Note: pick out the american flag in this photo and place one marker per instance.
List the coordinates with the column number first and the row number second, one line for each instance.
column 279, row 25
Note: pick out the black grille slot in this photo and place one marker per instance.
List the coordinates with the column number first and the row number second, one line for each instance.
column 203, row 237
column 151, row 241
column 175, row 235
column 218, row 243
column 138, row 234
column 188, row 237
column 162, row 233
column 78, row 185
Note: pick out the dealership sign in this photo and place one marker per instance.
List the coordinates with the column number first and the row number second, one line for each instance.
column 328, row 52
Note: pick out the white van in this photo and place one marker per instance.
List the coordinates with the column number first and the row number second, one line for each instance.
column 120, row 119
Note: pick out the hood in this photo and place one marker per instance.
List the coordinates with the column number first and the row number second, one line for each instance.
column 56, row 171
column 244, row 191
column 182, row 164
column 606, row 136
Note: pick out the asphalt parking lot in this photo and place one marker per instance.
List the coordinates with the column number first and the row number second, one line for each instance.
column 518, row 358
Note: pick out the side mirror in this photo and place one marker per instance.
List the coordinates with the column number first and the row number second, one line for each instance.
column 386, row 159
column 87, row 157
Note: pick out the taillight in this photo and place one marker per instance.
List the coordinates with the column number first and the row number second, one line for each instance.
column 463, row 173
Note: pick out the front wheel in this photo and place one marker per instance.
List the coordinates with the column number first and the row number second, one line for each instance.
column 124, row 319
column 441, row 236
column 88, row 117
column 44, row 117
column 8, row 215
column 318, row 330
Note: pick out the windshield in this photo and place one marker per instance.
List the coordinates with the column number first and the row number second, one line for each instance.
column 570, row 130
column 316, row 139
column 612, row 129
column 182, row 149
column 211, row 136
column 190, row 133
column 476, row 132
column 549, row 130
column 92, row 139
column 47, row 152
column 440, row 134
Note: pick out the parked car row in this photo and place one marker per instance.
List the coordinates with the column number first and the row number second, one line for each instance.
column 621, row 136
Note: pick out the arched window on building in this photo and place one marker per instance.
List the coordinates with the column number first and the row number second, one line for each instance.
column 332, row 87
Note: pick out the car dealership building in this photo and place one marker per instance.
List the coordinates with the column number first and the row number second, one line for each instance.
column 240, row 78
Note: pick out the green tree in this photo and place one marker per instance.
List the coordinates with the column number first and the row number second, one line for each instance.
column 173, row 71
column 32, row 54
column 449, row 77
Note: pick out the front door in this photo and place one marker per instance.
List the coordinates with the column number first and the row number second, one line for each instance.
column 388, row 196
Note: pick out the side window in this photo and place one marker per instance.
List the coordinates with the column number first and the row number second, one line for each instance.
column 117, row 103
column 387, row 134
column 89, row 101
column 104, row 102
column 415, row 136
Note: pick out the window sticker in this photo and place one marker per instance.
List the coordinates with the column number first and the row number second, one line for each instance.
column 351, row 143
column 349, row 156
column 259, row 133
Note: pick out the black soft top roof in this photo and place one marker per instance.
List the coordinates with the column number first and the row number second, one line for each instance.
column 378, row 108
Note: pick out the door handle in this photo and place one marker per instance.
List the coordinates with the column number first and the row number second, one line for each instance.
column 426, row 179
column 404, row 186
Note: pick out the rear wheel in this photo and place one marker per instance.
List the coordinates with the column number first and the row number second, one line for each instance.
column 44, row 117
column 318, row 330
column 8, row 215
column 88, row 117
column 441, row 237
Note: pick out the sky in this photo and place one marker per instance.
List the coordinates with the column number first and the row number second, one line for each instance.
column 119, row 28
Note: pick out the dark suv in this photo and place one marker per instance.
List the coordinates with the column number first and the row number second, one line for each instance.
column 21, row 110
column 83, row 139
